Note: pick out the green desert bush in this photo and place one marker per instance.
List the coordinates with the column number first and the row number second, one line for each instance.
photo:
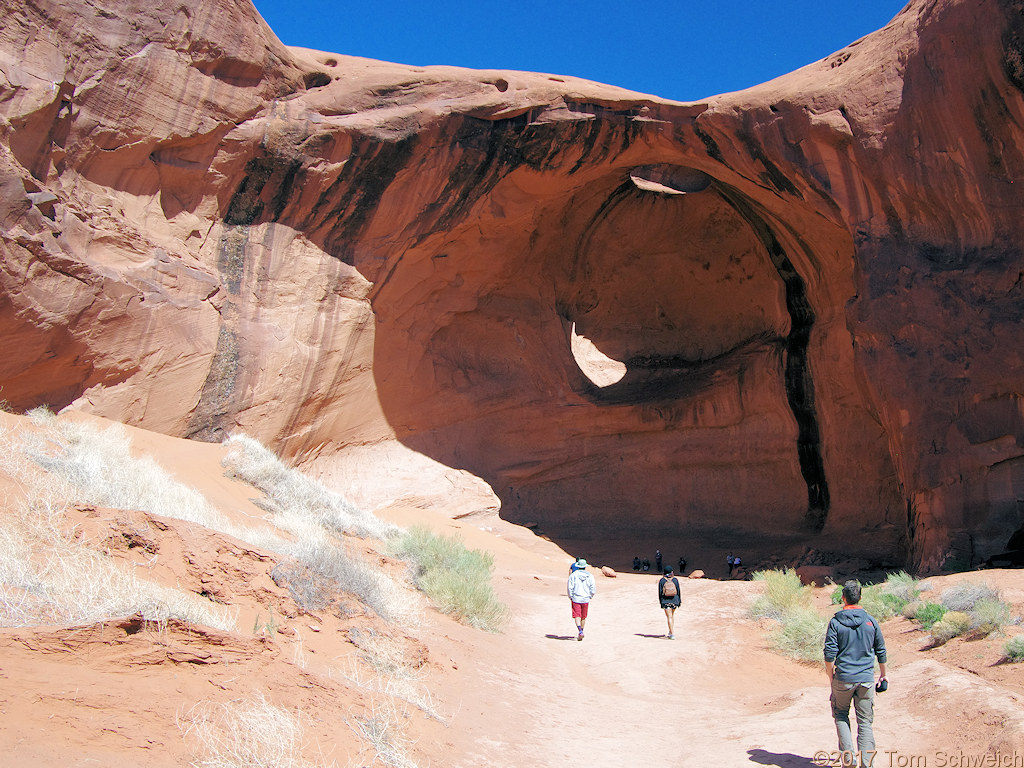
column 929, row 613
column 456, row 578
column 882, row 605
column 1014, row 649
column 888, row 599
column 952, row 624
column 782, row 592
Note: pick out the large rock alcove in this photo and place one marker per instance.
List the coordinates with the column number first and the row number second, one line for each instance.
column 787, row 317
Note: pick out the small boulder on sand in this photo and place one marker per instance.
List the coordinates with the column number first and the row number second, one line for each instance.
column 696, row 574
column 606, row 571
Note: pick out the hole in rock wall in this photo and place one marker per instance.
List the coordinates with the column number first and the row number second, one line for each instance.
column 316, row 80
column 599, row 369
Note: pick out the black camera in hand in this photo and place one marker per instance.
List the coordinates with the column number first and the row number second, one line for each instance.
column 882, row 685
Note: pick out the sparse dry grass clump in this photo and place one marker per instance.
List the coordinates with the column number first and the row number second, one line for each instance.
column 49, row 577
column 90, row 465
column 456, row 578
column 330, row 568
column 246, row 733
column 79, row 462
column 290, row 492
column 318, row 519
column 382, row 727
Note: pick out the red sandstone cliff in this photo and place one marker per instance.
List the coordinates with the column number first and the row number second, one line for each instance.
column 814, row 286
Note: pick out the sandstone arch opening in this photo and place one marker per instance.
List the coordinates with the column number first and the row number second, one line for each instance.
column 600, row 370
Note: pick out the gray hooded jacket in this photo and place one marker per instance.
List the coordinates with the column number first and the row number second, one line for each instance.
column 852, row 641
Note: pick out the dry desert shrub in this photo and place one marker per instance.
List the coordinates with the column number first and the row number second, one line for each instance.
column 47, row 576
column 952, row 624
column 290, row 492
column 964, row 595
column 990, row 615
column 78, row 462
column 382, row 728
column 245, row 733
column 981, row 602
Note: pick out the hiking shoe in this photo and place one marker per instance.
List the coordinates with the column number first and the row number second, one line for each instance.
column 581, row 635
column 671, row 637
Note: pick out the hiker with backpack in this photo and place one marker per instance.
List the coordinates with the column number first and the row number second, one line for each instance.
column 668, row 596
column 581, row 589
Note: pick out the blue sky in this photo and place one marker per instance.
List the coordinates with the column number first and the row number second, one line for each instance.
column 683, row 50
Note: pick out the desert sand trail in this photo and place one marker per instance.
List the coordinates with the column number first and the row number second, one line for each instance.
column 628, row 696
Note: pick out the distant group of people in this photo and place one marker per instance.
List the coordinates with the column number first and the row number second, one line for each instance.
column 853, row 643
column 733, row 561
column 644, row 564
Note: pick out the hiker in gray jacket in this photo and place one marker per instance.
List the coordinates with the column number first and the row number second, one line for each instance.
column 853, row 641
column 581, row 589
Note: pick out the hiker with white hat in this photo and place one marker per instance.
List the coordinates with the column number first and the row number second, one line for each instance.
column 581, row 589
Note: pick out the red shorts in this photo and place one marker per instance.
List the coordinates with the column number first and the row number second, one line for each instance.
column 579, row 610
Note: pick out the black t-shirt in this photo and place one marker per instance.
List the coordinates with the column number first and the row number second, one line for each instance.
column 661, row 591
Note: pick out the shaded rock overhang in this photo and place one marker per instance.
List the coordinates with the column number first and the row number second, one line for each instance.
column 811, row 288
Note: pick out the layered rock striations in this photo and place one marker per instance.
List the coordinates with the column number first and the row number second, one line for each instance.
column 788, row 312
